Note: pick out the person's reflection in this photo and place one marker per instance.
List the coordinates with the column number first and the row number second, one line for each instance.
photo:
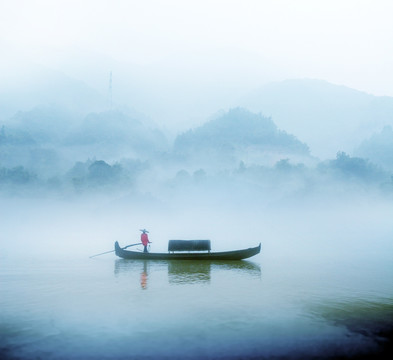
column 144, row 276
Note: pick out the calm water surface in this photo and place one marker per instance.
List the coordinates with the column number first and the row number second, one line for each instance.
column 111, row 308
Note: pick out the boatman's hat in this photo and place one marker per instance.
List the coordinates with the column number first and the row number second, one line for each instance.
column 144, row 230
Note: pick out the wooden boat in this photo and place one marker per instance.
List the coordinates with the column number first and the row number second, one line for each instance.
column 213, row 256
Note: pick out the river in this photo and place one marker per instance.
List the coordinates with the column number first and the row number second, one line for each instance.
column 325, row 298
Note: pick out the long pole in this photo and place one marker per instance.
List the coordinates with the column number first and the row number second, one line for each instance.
column 107, row 252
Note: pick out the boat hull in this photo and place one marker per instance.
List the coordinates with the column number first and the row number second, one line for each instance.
column 213, row 256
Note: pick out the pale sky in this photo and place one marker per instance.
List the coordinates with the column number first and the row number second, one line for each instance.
column 348, row 42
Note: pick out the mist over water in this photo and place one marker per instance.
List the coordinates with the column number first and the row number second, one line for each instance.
column 321, row 286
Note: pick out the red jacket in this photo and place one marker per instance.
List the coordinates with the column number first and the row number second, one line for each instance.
column 144, row 239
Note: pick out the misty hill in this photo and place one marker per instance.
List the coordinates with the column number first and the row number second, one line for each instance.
column 117, row 134
column 379, row 148
column 329, row 118
column 48, row 140
column 42, row 125
column 28, row 85
column 238, row 135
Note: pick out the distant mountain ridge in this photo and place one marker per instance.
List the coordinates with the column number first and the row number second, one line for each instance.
column 42, row 87
column 53, row 138
column 328, row 117
column 378, row 148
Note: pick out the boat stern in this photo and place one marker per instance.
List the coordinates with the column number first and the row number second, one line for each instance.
column 117, row 248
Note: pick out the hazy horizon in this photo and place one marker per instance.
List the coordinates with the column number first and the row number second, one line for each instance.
column 182, row 62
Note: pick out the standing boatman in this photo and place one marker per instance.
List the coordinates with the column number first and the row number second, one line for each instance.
column 145, row 240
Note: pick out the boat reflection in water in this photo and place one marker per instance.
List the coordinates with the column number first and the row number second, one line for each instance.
column 185, row 271
column 189, row 272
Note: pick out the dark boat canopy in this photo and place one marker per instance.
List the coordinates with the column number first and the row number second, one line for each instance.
column 189, row 245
